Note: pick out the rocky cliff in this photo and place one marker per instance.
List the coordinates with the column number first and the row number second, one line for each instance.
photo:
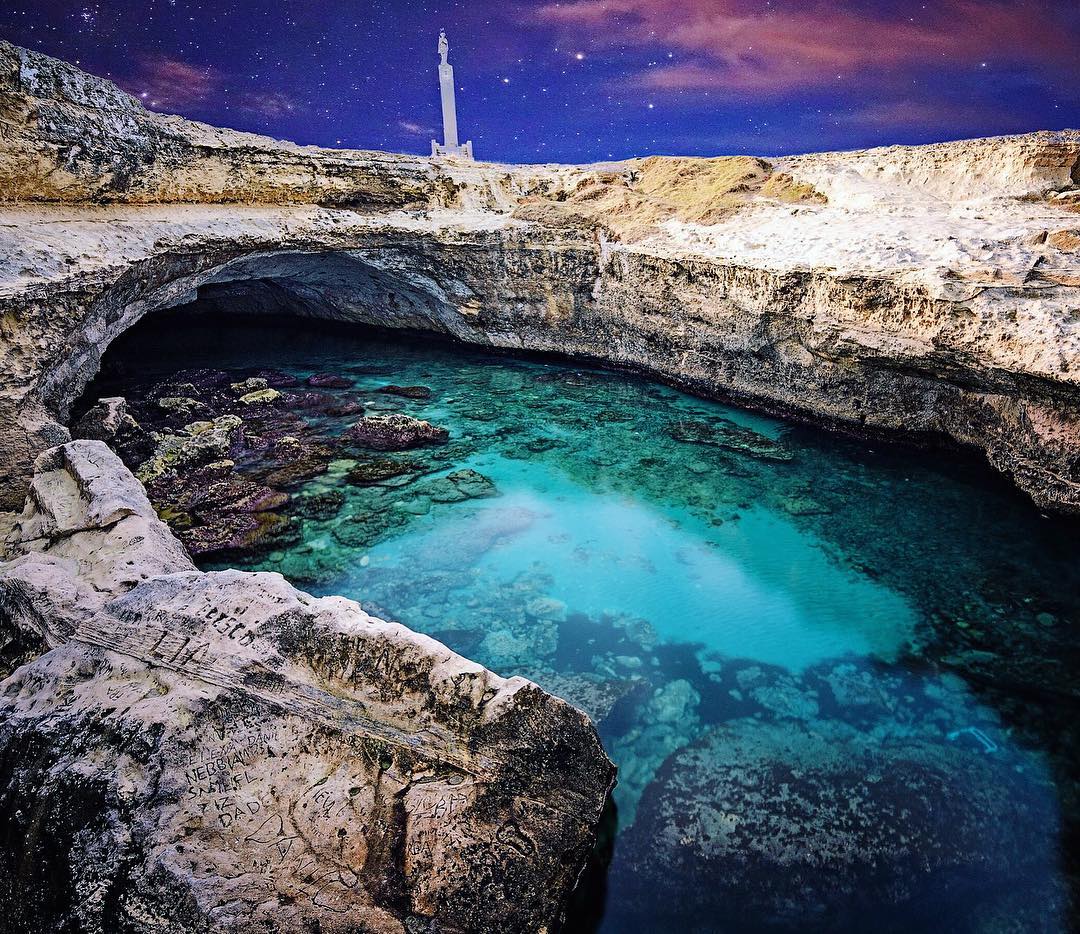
column 926, row 292
column 210, row 752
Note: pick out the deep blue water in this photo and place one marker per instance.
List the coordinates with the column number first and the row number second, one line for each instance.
column 839, row 678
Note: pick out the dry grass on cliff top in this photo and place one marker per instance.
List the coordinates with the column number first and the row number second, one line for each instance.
column 633, row 203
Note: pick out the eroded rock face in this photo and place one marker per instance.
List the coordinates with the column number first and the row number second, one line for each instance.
column 923, row 291
column 218, row 751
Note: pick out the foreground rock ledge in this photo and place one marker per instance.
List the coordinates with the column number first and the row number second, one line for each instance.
column 218, row 751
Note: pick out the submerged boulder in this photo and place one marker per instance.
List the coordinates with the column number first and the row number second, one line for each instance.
column 726, row 434
column 783, row 827
column 329, row 381
column 219, row 752
column 406, row 392
column 394, row 432
column 460, row 485
column 380, row 470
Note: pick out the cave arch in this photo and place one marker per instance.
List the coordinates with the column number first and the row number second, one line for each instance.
column 380, row 287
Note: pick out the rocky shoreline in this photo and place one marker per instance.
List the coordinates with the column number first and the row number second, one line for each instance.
column 228, row 753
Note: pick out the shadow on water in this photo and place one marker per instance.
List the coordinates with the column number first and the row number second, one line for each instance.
column 840, row 679
column 585, row 913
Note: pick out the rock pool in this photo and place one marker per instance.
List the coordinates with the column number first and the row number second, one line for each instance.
column 840, row 679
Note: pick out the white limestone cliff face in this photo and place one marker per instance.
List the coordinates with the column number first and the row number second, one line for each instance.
column 220, row 752
column 926, row 291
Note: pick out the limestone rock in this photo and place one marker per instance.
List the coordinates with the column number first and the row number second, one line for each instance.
column 260, row 395
column 110, row 421
column 234, row 755
column 925, row 291
column 394, row 432
column 803, row 831
column 459, row 485
column 103, row 420
column 406, row 392
column 370, row 472
column 329, row 381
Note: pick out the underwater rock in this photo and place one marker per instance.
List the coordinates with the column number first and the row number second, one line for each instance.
column 803, row 506
column 309, row 400
column 459, row 485
column 364, row 529
column 279, row 379
column 369, row 472
column 324, row 504
column 546, row 608
column 506, row 649
column 667, row 720
column 212, row 490
column 296, row 460
column 464, row 543
column 239, row 533
column 329, row 381
column 236, row 756
column 394, row 432
column 344, row 407
column 778, row 692
column 724, row 433
column 805, row 828
column 407, row 392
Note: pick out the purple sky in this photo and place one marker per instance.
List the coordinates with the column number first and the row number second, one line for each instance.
column 584, row 79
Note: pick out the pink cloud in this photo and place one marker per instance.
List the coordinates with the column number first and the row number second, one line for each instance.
column 928, row 115
column 744, row 48
column 169, row 84
column 268, row 103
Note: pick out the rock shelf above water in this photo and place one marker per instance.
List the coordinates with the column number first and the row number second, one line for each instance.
column 218, row 751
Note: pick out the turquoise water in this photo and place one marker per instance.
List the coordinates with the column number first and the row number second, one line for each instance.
column 788, row 640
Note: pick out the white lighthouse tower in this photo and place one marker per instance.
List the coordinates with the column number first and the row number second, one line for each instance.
column 450, row 145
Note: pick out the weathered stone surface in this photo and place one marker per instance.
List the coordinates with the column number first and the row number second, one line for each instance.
column 803, row 831
column 923, row 291
column 406, row 392
column 394, row 432
column 232, row 754
column 104, row 420
column 723, row 433
column 369, row 472
column 329, row 381
column 43, row 101
column 109, row 421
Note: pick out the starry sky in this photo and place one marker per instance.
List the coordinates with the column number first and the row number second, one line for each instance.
column 583, row 80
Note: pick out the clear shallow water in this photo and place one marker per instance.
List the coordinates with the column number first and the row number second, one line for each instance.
column 732, row 599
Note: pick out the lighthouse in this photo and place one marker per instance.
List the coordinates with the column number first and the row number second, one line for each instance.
column 450, row 145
